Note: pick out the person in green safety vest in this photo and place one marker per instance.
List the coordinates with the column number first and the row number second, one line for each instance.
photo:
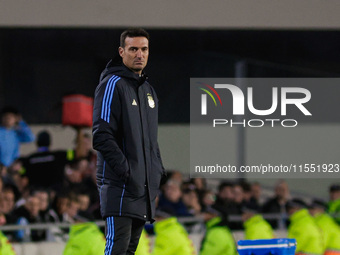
column 85, row 238
column 304, row 229
column 330, row 229
column 218, row 239
column 143, row 247
column 255, row 226
column 334, row 203
column 171, row 237
column 5, row 246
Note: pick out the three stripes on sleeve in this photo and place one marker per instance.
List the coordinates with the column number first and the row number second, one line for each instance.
column 107, row 99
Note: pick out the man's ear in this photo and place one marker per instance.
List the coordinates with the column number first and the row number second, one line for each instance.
column 120, row 51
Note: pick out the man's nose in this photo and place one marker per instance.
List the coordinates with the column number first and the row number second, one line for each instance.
column 139, row 53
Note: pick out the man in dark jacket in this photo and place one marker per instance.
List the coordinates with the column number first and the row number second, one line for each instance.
column 125, row 122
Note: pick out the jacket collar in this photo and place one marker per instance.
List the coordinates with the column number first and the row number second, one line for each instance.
column 299, row 215
column 256, row 218
column 213, row 222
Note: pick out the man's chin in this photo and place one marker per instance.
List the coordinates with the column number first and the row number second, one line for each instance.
column 137, row 69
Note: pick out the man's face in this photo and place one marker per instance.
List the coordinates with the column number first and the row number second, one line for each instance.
column 62, row 205
column 33, row 206
column 172, row 192
column 282, row 191
column 256, row 191
column 84, row 202
column 8, row 201
column 73, row 208
column 135, row 53
column 43, row 199
column 227, row 193
column 315, row 211
column 335, row 195
column 9, row 120
column 238, row 194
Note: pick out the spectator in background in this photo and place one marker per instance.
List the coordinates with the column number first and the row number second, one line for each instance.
column 45, row 168
column 171, row 175
column 8, row 202
column 171, row 236
column 44, row 203
column 256, row 191
column 17, row 176
column 277, row 204
column 27, row 214
column 13, row 131
column 171, row 199
column 84, row 201
column 143, row 247
column 225, row 199
column 85, row 237
column 228, row 194
column 239, row 196
column 72, row 208
column 248, row 199
column 334, row 203
column 190, row 199
column 330, row 229
column 218, row 239
column 200, row 184
column 57, row 213
column 304, row 229
column 177, row 177
column 255, row 226
column 5, row 247
column 207, row 200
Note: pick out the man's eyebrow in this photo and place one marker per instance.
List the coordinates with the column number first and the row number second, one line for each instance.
column 143, row 47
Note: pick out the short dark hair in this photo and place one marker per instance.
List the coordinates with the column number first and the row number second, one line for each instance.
column 133, row 32
column 334, row 188
column 224, row 185
column 9, row 109
column 44, row 139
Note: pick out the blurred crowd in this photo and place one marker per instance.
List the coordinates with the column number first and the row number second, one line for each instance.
column 51, row 186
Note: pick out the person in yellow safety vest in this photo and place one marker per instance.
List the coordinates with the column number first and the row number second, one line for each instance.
column 255, row 226
column 334, row 203
column 171, row 237
column 143, row 247
column 218, row 239
column 85, row 238
column 304, row 229
column 5, row 246
column 330, row 229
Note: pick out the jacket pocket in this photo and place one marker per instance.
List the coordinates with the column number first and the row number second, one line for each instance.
column 156, row 170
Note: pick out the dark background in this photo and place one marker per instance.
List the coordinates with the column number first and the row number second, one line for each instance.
column 39, row 66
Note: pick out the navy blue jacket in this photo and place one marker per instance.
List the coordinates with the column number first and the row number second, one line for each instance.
column 125, row 126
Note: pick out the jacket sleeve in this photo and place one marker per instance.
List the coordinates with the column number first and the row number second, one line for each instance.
column 24, row 133
column 158, row 150
column 106, row 118
column 160, row 158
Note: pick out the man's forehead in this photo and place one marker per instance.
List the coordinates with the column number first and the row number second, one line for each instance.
column 139, row 41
